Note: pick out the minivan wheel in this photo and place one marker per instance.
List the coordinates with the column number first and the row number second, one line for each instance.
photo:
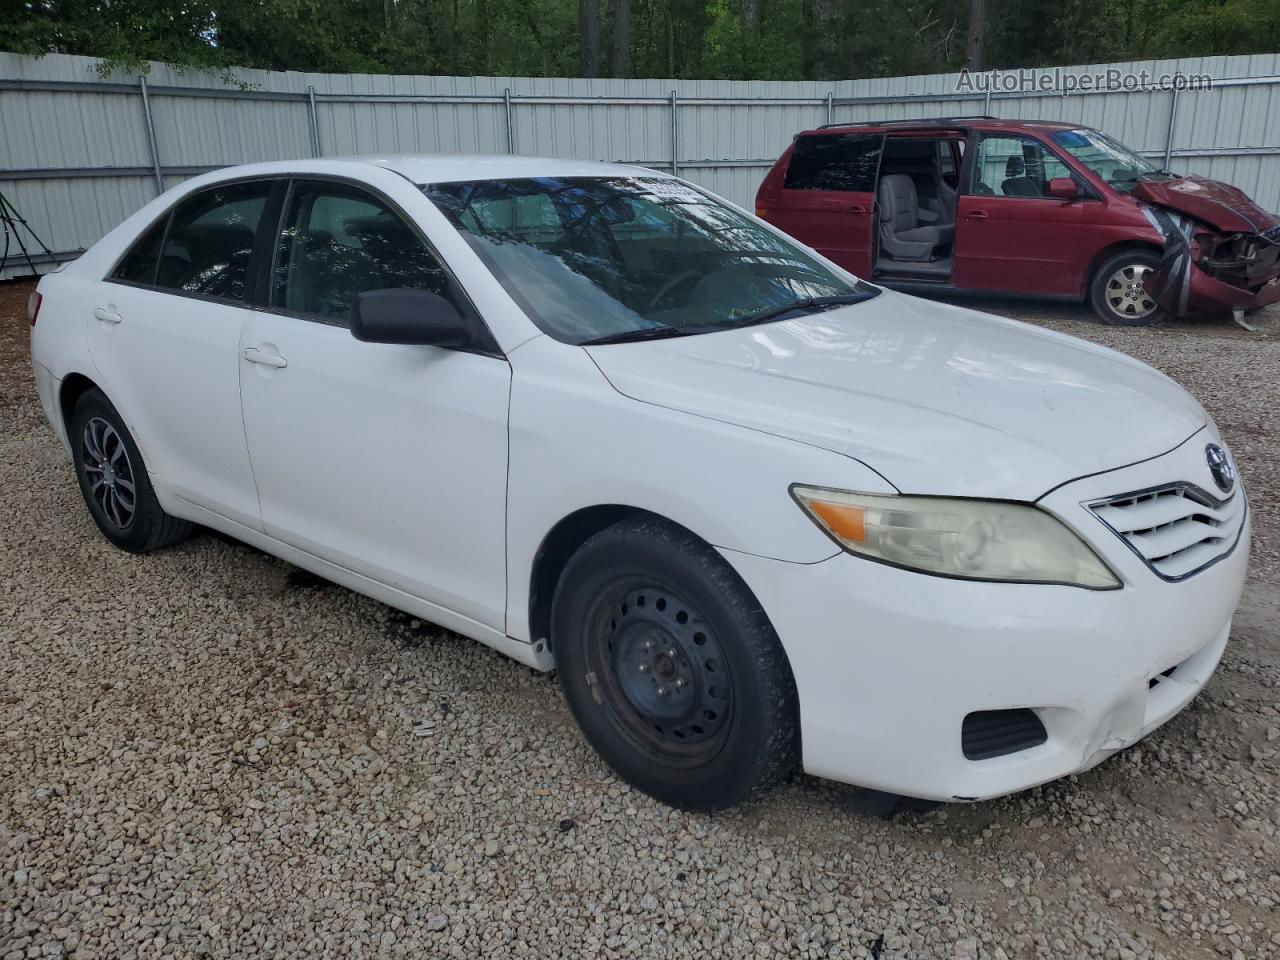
column 672, row 669
column 1117, row 292
column 114, row 481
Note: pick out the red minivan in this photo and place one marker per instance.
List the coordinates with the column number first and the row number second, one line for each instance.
column 1028, row 208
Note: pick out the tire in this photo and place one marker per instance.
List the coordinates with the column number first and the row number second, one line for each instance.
column 1113, row 296
column 108, row 463
column 672, row 669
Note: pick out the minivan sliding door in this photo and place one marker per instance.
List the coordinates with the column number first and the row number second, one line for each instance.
column 829, row 196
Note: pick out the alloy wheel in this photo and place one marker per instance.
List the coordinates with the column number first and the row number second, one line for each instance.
column 109, row 472
column 1125, row 294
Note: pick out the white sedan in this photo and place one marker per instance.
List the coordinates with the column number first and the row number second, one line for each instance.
column 758, row 514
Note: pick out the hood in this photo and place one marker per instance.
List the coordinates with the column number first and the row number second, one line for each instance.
column 937, row 399
column 1218, row 204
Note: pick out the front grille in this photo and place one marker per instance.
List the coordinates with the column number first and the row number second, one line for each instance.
column 1177, row 530
column 996, row 733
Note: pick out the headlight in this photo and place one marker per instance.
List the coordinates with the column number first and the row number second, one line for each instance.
column 972, row 539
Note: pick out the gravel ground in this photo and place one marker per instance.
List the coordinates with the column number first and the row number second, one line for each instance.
column 206, row 753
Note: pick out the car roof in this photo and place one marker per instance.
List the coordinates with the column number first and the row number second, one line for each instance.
column 945, row 123
column 450, row 168
column 440, row 168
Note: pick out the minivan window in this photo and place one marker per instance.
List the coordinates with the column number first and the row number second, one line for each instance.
column 340, row 241
column 835, row 161
column 634, row 257
column 210, row 240
column 1109, row 159
column 1015, row 167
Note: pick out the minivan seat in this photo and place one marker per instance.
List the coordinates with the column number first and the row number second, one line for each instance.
column 906, row 231
column 1017, row 183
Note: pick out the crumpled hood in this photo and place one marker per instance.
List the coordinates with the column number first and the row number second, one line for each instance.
column 936, row 398
column 1218, row 204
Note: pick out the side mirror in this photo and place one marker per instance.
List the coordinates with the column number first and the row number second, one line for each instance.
column 409, row 316
column 1063, row 188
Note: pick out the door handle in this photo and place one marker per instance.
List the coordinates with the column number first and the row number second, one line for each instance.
column 857, row 208
column 254, row 355
column 976, row 215
column 106, row 315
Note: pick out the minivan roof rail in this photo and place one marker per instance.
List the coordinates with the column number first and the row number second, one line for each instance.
column 897, row 123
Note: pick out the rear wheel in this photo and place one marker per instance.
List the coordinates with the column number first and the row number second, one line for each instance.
column 114, row 481
column 1117, row 292
column 672, row 669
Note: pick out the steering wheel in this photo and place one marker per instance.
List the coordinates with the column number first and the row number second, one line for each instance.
column 670, row 285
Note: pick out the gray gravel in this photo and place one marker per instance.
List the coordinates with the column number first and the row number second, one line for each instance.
column 206, row 753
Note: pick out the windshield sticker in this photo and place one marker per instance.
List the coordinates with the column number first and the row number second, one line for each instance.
column 672, row 190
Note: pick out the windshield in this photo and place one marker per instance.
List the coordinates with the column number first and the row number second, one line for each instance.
column 616, row 258
column 1114, row 162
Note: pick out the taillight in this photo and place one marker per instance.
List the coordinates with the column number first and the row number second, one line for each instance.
column 33, row 306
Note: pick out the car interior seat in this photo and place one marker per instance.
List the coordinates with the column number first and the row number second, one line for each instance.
column 908, row 232
column 1016, row 182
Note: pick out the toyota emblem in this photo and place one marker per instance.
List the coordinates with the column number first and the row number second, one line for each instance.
column 1224, row 474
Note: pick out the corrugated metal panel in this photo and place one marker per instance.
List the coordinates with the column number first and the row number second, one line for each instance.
column 201, row 122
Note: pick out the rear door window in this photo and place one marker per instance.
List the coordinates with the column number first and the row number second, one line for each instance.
column 140, row 263
column 846, row 162
column 210, row 240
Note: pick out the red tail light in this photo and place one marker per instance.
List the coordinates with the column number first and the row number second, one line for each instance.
column 33, row 306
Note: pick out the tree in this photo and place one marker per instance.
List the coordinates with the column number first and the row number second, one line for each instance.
column 735, row 39
column 977, row 34
column 589, row 36
column 622, row 38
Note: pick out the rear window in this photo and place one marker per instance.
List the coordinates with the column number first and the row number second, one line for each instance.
column 836, row 161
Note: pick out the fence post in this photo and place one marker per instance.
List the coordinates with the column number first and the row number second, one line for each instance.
column 828, row 108
column 1168, row 137
column 151, row 133
column 313, row 120
column 675, row 138
column 511, row 133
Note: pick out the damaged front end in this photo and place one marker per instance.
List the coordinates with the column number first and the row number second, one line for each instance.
column 1221, row 253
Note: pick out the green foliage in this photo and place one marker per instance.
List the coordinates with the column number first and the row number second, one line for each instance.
column 790, row 39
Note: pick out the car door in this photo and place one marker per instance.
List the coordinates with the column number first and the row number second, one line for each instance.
column 388, row 460
column 828, row 196
column 1011, row 236
column 165, row 338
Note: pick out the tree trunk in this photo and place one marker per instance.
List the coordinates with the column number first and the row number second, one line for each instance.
column 622, row 38
column 750, row 17
column 671, row 41
column 977, row 34
column 820, row 38
column 589, row 36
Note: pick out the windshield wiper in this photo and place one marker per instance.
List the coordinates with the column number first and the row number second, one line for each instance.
column 807, row 305
column 645, row 333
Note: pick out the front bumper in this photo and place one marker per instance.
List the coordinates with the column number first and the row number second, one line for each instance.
column 1210, row 296
column 888, row 662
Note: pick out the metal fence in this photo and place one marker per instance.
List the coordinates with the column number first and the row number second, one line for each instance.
column 79, row 152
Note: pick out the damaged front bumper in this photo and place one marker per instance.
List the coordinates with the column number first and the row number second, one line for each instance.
column 1207, row 273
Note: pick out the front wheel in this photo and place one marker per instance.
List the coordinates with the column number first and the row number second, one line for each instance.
column 672, row 669
column 1118, row 294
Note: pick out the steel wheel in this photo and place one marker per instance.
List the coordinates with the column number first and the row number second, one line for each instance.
column 1124, row 292
column 665, row 678
column 109, row 472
